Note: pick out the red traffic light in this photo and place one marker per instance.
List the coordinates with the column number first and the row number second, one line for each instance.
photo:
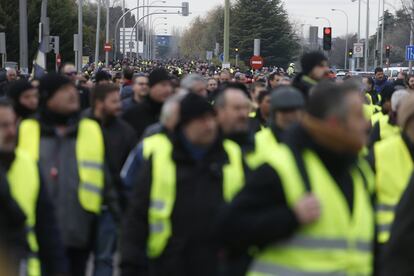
column 327, row 30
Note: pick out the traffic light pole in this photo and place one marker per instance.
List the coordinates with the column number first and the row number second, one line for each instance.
column 98, row 29
column 226, row 39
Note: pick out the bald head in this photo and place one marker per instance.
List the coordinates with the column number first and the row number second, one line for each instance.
column 11, row 74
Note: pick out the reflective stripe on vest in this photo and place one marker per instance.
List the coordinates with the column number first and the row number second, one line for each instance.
column 163, row 189
column 386, row 129
column 393, row 166
column 338, row 243
column 90, row 155
column 23, row 178
column 264, row 141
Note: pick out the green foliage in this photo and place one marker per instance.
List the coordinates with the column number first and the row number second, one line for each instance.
column 249, row 19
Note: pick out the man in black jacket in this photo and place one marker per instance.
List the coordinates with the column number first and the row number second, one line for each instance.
column 314, row 69
column 148, row 111
column 334, row 130
column 201, row 170
column 119, row 139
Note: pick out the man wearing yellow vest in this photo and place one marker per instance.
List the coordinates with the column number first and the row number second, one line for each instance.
column 188, row 176
column 386, row 124
column 397, row 252
column 392, row 160
column 307, row 210
column 71, row 155
column 45, row 248
column 286, row 109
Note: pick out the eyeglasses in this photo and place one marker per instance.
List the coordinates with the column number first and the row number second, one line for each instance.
column 71, row 73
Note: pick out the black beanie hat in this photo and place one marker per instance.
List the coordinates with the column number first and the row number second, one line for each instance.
column 49, row 84
column 17, row 88
column 158, row 75
column 193, row 106
column 102, row 75
column 311, row 60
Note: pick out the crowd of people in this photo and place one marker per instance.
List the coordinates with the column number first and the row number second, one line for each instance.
column 179, row 168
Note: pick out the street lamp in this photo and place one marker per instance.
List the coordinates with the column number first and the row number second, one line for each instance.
column 147, row 49
column 346, row 35
column 324, row 18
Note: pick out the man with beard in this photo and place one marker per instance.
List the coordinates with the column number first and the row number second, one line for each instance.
column 71, row 156
column 26, row 185
column 119, row 140
column 25, row 98
column 410, row 84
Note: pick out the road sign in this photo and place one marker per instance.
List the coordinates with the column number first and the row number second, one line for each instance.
column 221, row 57
column 409, row 53
column 107, row 47
column 2, row 43
column 256, row 62
column 209, row 55
column 358, row 50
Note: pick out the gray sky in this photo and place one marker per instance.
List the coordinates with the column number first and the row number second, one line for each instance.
column 300, row 12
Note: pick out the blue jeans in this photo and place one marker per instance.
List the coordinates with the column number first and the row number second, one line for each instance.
column 105, row 245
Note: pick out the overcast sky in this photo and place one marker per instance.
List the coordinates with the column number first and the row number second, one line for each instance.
column 300, row 12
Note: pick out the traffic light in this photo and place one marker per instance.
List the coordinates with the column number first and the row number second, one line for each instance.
column 350, row 52
column 54, row 44
column 327, row 38
column 387, row 51
column 185, row 9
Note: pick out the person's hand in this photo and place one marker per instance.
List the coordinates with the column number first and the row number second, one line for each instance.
column 308, row 209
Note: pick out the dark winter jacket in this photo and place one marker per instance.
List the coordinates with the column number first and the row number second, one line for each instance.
column 120, row 139
column 192, row 249
column 304, row 84
column 143, row 115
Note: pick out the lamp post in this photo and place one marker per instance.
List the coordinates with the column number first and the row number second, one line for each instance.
column 80, row 34
column 346, row 35
column 324, row 18
column 98, row 28
column 149, row 24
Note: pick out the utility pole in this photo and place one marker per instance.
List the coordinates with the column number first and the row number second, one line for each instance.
column 23, row 49
column 410, row 64
column 366, row 40
column 98, row 29
column 226, row 31
column 107, row 33
column 359, row 29
column 382, row 34
column 80, row 34
column 137, row 31
column 123, row 29
column 377, row 36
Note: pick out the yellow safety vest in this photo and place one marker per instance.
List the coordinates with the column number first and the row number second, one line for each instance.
column 264, row 141
column 90, row 154
column 338, row 243
column 386, row 129
column 394, row 166
column 23, row 178
column 163, row 188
